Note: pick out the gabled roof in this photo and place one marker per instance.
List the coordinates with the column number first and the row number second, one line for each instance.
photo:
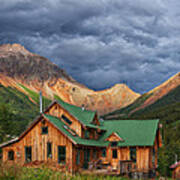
column 117, row 135
column 133, row 132
column 96, row 127
column 12, row 141
column 84, row 116
column 62, row 127
column 75, row 139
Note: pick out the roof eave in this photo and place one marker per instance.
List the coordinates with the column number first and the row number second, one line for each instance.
column 56, row 101
column 12, row 141
column 60, row 130
column 83, row 124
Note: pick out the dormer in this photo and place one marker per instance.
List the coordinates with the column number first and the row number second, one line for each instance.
column 93, row 129
column 114, row 138
column 75, row 118
column 96, row 120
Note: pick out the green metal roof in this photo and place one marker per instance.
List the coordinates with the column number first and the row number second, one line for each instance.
column 63, row 128
column 84, row 116
column 96, row 126
column 133, row 132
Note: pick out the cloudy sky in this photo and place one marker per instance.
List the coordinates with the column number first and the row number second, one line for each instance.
column 99, row 42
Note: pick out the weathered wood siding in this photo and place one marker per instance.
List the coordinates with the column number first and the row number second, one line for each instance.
column 122, row 154
column 96, row 120
column 143, row 157
column 142, row 161
column 93, row 134
column 113, row 137
column 176, row 173
column 39, row 142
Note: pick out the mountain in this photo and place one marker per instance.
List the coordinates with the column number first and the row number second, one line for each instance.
column 160, row 99
column 29, row 73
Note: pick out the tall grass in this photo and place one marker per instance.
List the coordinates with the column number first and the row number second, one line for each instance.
column 15, row 172
column 9, row 171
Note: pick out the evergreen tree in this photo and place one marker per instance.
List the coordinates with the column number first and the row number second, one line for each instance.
column 7, row 126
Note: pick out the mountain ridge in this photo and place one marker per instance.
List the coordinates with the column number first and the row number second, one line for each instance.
column 161, row 93
column 19, row 66
column 161, row 90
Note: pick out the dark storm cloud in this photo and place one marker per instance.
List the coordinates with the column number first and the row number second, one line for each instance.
column 102, row 42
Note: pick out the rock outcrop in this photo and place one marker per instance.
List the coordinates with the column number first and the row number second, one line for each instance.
column 19, row 66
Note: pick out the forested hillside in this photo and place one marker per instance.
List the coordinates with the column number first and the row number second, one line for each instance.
column 17, row 111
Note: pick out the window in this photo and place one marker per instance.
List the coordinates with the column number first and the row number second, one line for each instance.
column 66, row 120
column 28, row 154
column 94, row 154
column 49, row 150
column 78, row 157
column 43, row 122
column 133, row 154
column 61, row 154
column 86, row 158
column 55, row 113
column 11, row 155
column 86, row 134
column 113, row 143
column 114, row 153
column 45, row 130
column 104, row 152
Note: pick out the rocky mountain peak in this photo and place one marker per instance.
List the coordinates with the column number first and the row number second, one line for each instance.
column 19, row 66
column 14, row 48
column 18, row 62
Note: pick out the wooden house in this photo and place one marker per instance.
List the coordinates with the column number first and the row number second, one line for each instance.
column 76, row 138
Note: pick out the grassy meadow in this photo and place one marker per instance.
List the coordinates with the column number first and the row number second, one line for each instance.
column 14, row 172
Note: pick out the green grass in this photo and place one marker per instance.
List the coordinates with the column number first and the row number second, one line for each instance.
column 14, row 172
column 34, row 95
column 31, row 93
column 57, row 97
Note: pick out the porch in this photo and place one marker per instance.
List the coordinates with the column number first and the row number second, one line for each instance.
column 125, row 168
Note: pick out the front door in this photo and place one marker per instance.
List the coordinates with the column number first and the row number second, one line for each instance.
column 86, row 158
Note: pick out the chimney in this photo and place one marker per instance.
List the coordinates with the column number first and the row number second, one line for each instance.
column 83, row 107
column 176, row 158
column 40, row 102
